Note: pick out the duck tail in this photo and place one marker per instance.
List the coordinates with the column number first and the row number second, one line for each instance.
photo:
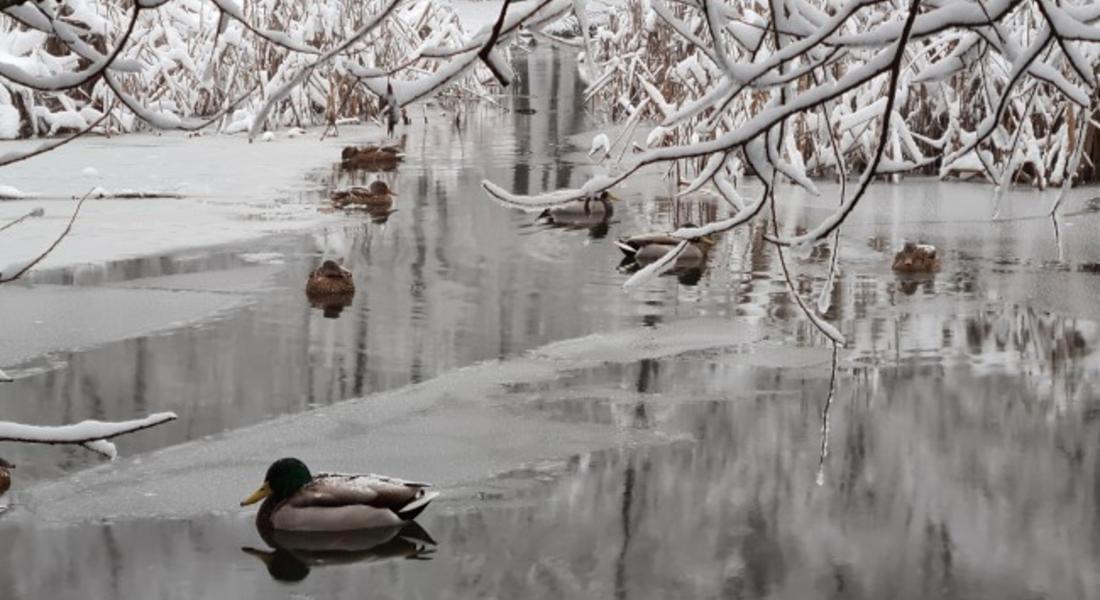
column 413, row 509
column 626, row 248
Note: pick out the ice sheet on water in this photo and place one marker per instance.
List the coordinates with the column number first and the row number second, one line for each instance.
column 465, row 429
column 54, row 318
column 232, row 189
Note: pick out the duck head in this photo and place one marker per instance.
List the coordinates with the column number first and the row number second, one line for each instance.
column 329, row 268
column 379, row 188
column 5, row 464
column 284, row 477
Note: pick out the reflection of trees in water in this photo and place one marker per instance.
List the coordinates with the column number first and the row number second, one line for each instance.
column 926, row 475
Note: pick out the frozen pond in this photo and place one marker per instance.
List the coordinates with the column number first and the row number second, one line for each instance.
column 589, row 442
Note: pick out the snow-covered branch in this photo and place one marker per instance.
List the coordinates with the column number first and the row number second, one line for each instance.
column 91, row 433
column 250, row 67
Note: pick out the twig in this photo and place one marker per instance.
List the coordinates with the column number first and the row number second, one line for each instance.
column 42, row 256
column 38, row 212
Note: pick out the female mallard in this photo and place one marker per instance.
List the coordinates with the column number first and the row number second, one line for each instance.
column 917, row 258
column 295, row 500
column 377, row 195
column 5, row 475
column 383, row 158
column 330, row 279
column 648, row 247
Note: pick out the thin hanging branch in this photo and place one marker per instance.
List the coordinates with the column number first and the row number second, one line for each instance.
column 825, row 423
column 55, row 243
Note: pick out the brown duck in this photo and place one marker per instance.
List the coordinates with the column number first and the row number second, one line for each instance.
column 330, row 279
column 376, row 195
column 917, row 258
column 5, row 475
column 381, row 158
column 330, row 287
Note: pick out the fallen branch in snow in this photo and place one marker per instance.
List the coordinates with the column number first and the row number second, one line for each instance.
column 57, row 241
column 84, row 432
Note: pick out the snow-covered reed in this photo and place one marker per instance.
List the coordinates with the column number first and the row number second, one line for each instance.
column 248, row 67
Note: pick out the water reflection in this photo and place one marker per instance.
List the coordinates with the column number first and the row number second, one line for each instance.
column 294, row 553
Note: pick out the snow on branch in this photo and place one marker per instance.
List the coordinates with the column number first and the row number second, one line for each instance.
column 91, row 432
column 168, row 65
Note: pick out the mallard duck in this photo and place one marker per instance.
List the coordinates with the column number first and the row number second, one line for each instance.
column 294, row 553
column 296, row 500
column 383, row 158
column 917, row 258
column 593, row 214
column 377, row 195
column 648, row 247
column 330, row 287
column 5, row 475
column 330, row 279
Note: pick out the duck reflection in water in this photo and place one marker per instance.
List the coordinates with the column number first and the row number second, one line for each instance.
column 295, row 553
column 331, row 288
column 643, row 249
column 593, row 214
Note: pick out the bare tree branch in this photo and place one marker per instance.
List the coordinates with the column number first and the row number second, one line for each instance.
column 46, row 253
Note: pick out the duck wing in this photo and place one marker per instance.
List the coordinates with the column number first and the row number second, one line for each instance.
column 645, row 239
column 331, row 490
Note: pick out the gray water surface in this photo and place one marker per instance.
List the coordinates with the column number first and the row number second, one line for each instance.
column 597, row 443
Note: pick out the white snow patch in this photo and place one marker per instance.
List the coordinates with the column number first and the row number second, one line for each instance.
column 263, row 258
column 8, row 192
column 9, row 122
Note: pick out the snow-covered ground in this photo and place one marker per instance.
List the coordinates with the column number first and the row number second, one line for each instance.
column 231, row 191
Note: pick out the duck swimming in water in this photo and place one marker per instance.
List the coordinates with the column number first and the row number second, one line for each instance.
column 296, row 500
column 371, row 157
column 917, row 258
column 646, row 248
column 5, row 475
column 330, row 279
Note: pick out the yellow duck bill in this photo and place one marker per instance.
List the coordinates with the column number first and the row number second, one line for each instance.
column 262, row 492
